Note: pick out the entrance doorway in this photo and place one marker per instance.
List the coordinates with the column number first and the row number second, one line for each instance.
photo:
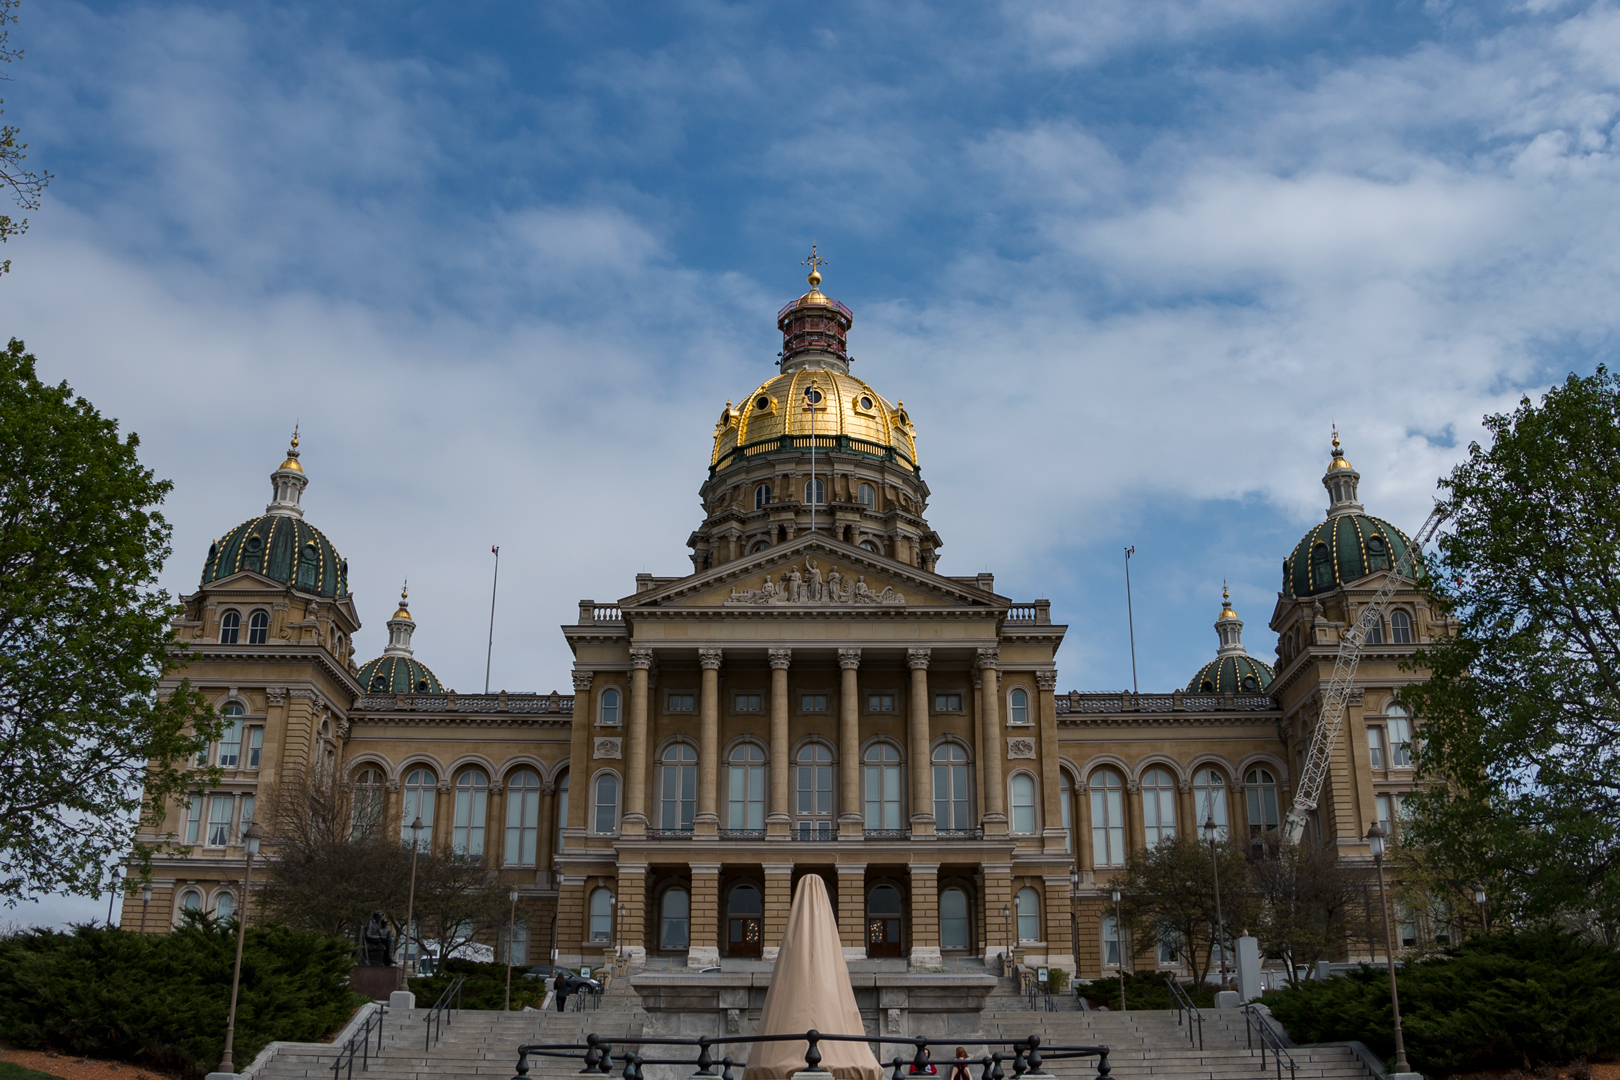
column 745, row 912
column 883, row 937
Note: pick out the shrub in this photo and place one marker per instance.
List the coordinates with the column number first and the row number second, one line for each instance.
column 1504, row 1000
column 485, row 987
column 161, row 1000
column 1143, row 990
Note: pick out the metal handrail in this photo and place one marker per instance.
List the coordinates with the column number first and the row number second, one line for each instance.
column 1181, row 1001
column 1268, row 1038
column 1026, row 1057
column 436, row 1017
column 363, row 1036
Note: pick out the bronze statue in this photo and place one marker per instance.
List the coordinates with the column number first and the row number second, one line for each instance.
column 377, row 942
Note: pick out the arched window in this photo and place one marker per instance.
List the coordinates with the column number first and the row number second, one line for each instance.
column 1018, row 707
column 1400, row 627
column 815, row 491
column 224, row 906
column 745, row 775
column 1400, row 737
column 562, row 810
column 951, row 810
column 677, row 787
column 230, row 627
column 1377, row 554
column 759, row 546
column 868, row 545
column 1375, row 633
column 308, row 560
column 953, row 919
column 1066, row 803
column 881, row 777
column 1158, row 805
column 1209, row 801
column 815, row 792
column 1262, row 794
column 1107, row 818
column 419, row 791
column 866, row 496
column 610, row 707
column 745, row 911
column 472, row 802
column 601, row 915
column 1321, row 567
column 606, row 805
column 883, row 922
column 366, row 804
column 1023, row 804
column 230, row 738
column 258, row 628
column 762, row 496
column 675, row 920
column 1110, row 941
column 191, row 900
column 523, row 818
column 1029, row 914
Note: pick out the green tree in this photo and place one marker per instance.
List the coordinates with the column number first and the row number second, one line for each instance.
column 1521, row 734
column 86, row 739
column 1306, row 898
column 1168, row 893
column 26, row 187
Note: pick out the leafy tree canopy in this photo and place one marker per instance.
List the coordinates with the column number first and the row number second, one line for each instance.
column 1522, row 710
column 86, row 739
column 25, row 186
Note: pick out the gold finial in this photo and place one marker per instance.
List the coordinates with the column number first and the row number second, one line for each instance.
column 295, row 436
column 815, row 262
column 1338, row 461
column 404, row 611
column 292, row 454
column 405, row 591
column 1226, row 602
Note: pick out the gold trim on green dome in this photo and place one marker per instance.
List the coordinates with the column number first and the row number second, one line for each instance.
column 842, row 412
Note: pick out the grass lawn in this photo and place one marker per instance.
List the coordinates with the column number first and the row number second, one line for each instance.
column 8, row 1071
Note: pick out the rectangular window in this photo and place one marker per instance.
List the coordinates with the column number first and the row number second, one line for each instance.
column 1400, row 742
column 1169, row 955
column 219, row 820
column 1383, row 813
column 947, row 703
column 1375, row 747
column 1110, row 936
column 230, row 744
column 880, row 703
column 748, row 703
column 680, row 703
column 194, row 819
column 813, row 703
column 246, row 817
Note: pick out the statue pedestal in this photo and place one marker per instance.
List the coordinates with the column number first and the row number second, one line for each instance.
column 377, row 983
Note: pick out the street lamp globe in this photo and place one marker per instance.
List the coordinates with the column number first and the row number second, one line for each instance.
column 1074, row 879
column 1116, row 896
column 146, row 894
column 1210, row 827
column 1375, row 840
column 1479, row 894
column 512, row 896
column 251, row 838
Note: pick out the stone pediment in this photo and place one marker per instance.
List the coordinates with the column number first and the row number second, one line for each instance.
column 814, row 573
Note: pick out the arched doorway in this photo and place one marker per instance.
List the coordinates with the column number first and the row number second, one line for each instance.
column 883, row 934
column 745, row 912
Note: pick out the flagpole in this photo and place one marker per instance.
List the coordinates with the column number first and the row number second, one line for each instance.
column 490, row 654
column 1129, row 615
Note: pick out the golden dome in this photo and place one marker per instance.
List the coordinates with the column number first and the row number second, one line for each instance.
column 404, row 603
column 1226, row 605
column 848, row 407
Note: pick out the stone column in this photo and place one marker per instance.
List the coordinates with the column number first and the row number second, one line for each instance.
column 850, row 821
column 579, row 749
column 1082, row 828
column 925, row 917
column 995, row 747
column 852, row 909
column 1051, row 780
column 779, row 822
column 570, row 919
column 778, row 901
column 630, row 930
column 1135, row 829
column 495, row 830
column 543, row 853
column 705, row 948
column 997, row 895
column 444, row 816
column 978, row 742
column 1059, row 939
column 707, row 821
column 922, row 808
column 634, row 822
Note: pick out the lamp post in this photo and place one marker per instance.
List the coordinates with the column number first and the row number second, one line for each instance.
column 112, row 892
column 1484, row 912
column 146, row 901
column 410, row 904
column 1375, row 841
column 250, row 842
column 511, row 947
column 1119, row 946
column 1074, row 917
column 1210, row 829
column 1006, row 956
column 624, row 922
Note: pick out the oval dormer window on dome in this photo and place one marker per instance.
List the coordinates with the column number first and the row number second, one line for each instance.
column 1206, row 687
column 379, row 684
column 762, row 403
column 1321, row 567
column 421, row 686
column 1250, row 684
column 1377, row 554
column 813, row 396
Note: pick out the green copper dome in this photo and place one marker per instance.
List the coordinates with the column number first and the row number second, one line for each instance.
column 399, row 675
column 282, row 547
column 1344, row 548
column 1231, row 675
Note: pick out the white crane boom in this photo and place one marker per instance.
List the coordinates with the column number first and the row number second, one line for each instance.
column 1326, row 735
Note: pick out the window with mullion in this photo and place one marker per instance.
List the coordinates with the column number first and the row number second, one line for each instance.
column 951, row 809
column 1107, row 819
column 746, row 775
column 815, row 791
column 677, row 803
column 882, row 778
column 472, row 802
column 522, row 817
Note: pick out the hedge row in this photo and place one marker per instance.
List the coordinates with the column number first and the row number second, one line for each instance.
column 485, row 987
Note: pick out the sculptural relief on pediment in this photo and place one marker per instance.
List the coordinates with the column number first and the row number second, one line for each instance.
column 806, row 585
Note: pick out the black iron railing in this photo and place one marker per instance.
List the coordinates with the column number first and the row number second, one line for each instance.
column 1182, row 1002
column 742, row 834
column 887, row 834
column 669, row 834
column 360, row 1043
column 438, row 1016
column 1024, row 1057
column 1262, row 1037
column 959, row 834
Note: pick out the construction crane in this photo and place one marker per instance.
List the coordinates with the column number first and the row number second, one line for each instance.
column 1326, row 735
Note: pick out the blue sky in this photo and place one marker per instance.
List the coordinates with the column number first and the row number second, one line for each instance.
column 1125, row 262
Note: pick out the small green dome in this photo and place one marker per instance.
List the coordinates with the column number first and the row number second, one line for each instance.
column 282, row 547
column 1344, row 548
column 398, row 675
column 1231, row 675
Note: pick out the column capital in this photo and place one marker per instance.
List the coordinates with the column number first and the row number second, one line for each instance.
column 1046, row 680
column 582, row 681
column 918, row 658
column 781, row 658
column 777, row 868
column 989, row 658
column 925, row 868
column 849, row 659
column 709, row 659
column 641, row 659
column 704, row 867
